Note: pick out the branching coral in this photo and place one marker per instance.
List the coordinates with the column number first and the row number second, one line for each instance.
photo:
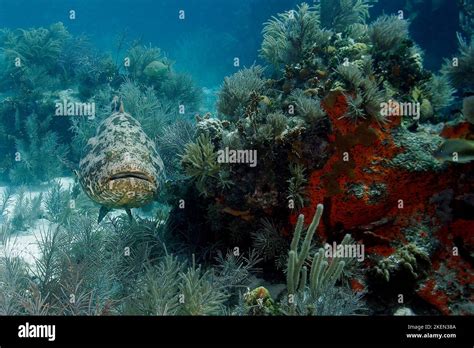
column 396, row 58
column 355, row 108
column 277, row 122
column 297, row 186
column 169, row 288
column 297, row 273
column 269, row 242
column 235, row 271
column 409, row 259
column 25, row 211
column 57, row 203
column 201, row 294
column 157, row 289
column 236, row 91
column 149, row 68
column 287, row 36
column 351, row 75
column 305, row 290
column 146, row 107
column 35, row 46
column 13, row 283
column 32, row 166
column 5, row 200
column 336, row 301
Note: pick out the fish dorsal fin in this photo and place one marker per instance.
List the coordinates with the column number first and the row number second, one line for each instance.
column 121, row 110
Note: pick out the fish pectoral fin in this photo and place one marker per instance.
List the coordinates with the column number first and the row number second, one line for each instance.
column 129, row 213
column 102, row 212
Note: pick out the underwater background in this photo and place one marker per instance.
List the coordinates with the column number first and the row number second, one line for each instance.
column 238, row 157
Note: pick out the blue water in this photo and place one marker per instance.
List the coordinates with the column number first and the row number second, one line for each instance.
column 213, row 31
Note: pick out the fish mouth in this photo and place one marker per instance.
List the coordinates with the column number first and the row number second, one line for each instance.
column 129, row 175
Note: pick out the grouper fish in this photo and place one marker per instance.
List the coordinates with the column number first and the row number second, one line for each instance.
column 120, row 167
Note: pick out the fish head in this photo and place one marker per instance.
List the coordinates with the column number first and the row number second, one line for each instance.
column 122, row 168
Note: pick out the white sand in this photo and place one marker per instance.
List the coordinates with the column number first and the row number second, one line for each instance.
column 24, row 244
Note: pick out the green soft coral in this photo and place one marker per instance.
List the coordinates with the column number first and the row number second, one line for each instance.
column 200, row 162
column 340, row 15
column 289, row 35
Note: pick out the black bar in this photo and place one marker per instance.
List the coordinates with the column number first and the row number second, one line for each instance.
column 240, row 330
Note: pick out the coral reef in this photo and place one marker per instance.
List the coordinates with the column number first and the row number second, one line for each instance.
column 259, row 302
column 345, row 116
column 305, row 291
column 407, row 258
column 46, row 66
column 323, row 115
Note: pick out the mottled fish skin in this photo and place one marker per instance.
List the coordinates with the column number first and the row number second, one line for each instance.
column 121, row 148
